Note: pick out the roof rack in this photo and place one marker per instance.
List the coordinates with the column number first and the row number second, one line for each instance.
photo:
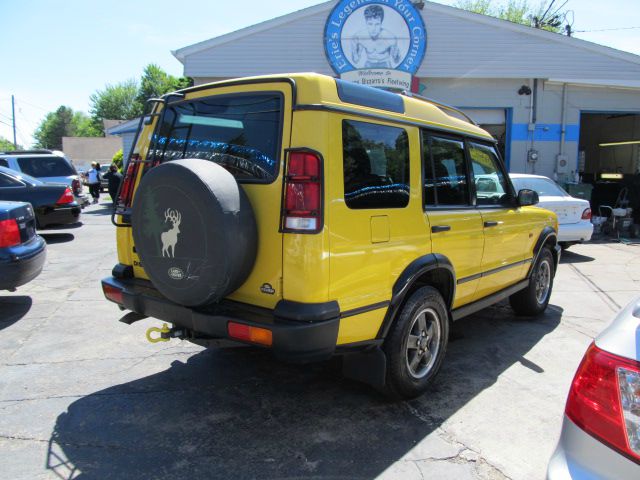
column 27, row 152
column 442, row 106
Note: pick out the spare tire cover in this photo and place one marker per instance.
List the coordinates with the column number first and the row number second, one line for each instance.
column 194, row 230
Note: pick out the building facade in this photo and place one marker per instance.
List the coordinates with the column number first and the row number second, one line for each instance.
column 558, row 106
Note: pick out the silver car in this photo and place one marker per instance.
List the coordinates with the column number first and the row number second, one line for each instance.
column 600, row 436
column 47, row 166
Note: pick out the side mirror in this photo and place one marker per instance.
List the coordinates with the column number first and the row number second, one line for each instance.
column 527, row 197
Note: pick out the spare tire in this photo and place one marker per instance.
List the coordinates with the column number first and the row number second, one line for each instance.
column 194, row 230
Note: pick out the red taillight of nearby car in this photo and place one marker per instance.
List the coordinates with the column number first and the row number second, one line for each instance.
column 9, row 233
column 586, row 215
column 604, row 400
column 66, row 197
column 303, row 193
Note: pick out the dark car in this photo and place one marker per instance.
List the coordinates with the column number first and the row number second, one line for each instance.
column 48, row 166
column 22, row 252
column 52, row 203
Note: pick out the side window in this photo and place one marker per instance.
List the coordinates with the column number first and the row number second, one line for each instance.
column 4, row 163
column 7, row 181
column 491, row 186
column 445, row 171
column 376, row 165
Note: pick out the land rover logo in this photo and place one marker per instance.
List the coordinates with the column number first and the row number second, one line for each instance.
column 176, row 273
column 267, row 288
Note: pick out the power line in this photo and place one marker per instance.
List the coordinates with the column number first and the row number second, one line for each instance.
column 606, row 29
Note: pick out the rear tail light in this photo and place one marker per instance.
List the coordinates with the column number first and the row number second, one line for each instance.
column 586, row 215
column 247, row 333
column 126, row 190
column 112, row 293
column 9, row 233
column 302, row 212
column 604, row 400
column 66, row 197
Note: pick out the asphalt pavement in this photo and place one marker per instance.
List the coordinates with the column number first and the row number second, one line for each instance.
column 85, row 396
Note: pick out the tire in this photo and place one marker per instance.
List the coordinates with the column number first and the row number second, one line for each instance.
column 534, row 299
column 194, row 230
column 415, row 350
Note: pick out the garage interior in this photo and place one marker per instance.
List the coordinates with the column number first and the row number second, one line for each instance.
column 609, row 159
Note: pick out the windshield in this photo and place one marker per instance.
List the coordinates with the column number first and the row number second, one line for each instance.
column 239, row 132
column 45, row 166
column 543, row 186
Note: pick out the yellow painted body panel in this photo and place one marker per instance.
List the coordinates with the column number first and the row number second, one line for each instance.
column 363, row 268
column 362, row 327
column 360, row 253
column 462, row 245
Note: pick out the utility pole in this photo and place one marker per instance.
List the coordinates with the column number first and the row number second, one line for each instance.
column 13, row 121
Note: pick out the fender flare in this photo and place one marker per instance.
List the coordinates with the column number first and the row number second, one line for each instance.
column 547, row 234
column 410, row 275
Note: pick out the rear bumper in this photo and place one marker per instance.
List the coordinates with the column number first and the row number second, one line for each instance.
column 58, row 215
column 575, row 232
column 300, row 332
column 580, row 456
column 21, row 264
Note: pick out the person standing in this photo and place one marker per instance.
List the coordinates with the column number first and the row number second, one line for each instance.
column 114, row 177
column 94, row 181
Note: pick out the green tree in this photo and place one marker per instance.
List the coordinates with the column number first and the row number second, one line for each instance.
column 544, row 16
column 118, row 159
column 115, row 102
column 7, row 146
column 155, row 82
column 64, row 122
column 55, row 125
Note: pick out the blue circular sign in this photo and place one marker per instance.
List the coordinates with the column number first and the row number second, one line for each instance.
column 375, row 34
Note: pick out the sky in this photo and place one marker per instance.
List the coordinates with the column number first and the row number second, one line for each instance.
column 59, row 53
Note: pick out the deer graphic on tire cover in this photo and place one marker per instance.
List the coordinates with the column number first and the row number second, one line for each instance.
column 170, row 237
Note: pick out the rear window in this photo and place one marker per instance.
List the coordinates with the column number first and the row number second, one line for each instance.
column 239, row 132
column 45, row 167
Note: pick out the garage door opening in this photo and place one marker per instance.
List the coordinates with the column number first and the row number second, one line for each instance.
column 609, row 159
column 609, row 144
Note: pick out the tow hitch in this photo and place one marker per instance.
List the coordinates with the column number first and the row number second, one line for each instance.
column 165, row 332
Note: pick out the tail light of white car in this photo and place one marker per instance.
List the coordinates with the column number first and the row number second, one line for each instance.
column 586, row 215
column 76, row 186
column 604, row 400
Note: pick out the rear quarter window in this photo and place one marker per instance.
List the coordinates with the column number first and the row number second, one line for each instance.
column 375, row 164
column 45, row 166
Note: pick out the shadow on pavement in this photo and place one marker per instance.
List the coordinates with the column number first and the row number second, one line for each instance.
column 572, row 257
column 66, row 226
column 239, row 413
column 12, row 309
column 52, row 238
column 103, row 209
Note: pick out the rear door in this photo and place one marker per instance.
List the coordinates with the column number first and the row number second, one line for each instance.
column 455, row 224
column 246, row 129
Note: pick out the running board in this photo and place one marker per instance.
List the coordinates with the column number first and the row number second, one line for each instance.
column 485, row 302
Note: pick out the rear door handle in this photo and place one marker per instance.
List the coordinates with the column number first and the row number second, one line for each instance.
column 491, row 224
column 440, row 228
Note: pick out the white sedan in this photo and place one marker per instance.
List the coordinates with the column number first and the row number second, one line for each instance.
column 574, row 214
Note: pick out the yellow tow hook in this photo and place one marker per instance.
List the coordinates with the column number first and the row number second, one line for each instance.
column 164, row 334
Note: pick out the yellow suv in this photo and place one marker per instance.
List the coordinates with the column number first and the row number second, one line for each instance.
column 314, row 217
